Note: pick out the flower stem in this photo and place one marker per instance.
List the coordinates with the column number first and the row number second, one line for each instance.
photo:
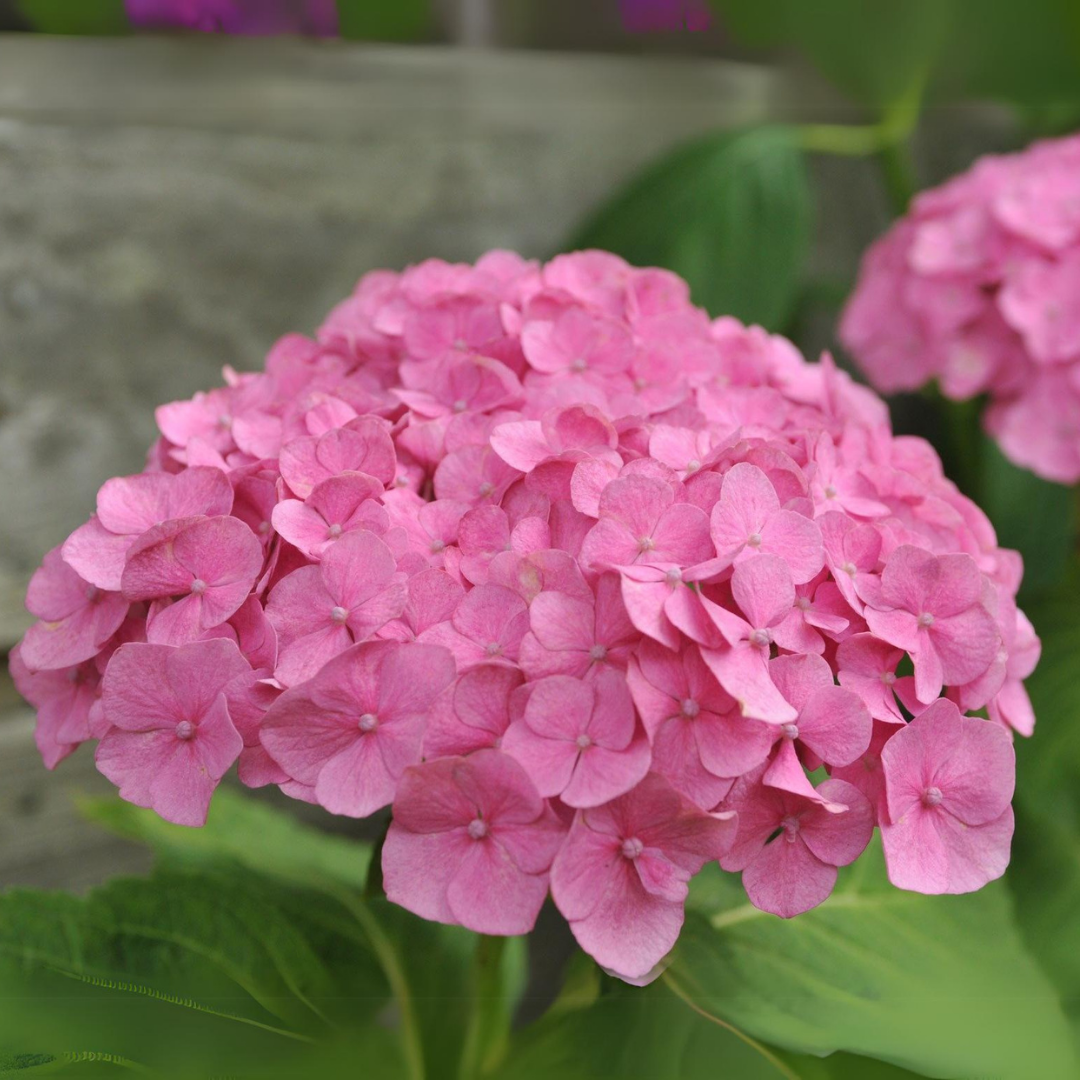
column 393, row 969
column 489, row 1021
column 887, row 140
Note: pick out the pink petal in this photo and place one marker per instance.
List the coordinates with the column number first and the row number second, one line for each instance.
column 787, row 879
column 549, row 761
column 763, row 589
column 743, row 672
column 838, row 839
column 489, row 894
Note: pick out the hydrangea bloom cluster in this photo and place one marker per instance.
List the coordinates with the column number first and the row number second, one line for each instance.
column 589, row 588
column 978, row 288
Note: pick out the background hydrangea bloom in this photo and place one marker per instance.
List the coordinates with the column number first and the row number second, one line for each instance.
column 252, row 17
column 583, row 584
column 977, row 288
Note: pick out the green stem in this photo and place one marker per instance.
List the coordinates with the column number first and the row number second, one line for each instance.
column 381, row 945
column 489, row 1021
column 898, row 172
column 887, row 140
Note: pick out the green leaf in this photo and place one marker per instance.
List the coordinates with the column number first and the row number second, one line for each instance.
column 100, row 17
column 1048, row 765
column 1045, row 872
column 254, row 926
column 637, row 1033
column 1034, row 516
column 1027, row 53
column 1045, row 880
column 243, row 829
column 182, row 970
column 401, row 20
column 730, row 213
column 941, row 985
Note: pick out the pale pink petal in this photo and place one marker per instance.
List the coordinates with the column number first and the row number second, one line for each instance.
column 787, row 879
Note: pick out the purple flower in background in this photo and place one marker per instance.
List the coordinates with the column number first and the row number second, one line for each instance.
column 317, row 18
column 650, row 16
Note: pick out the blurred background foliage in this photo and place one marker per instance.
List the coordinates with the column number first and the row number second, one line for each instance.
column 734, row 213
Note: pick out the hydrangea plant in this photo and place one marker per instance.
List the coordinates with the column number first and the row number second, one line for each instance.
column 589, row 589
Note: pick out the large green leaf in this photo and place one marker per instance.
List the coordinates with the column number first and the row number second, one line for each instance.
column 249, row 951
column 1045, row 875
column 598, row 1027
column 1045, row 879
column 634, row 1033
column 241, row 828
column 1048, row 765
column 730, row 213
column 941, row 985
column 220, row 971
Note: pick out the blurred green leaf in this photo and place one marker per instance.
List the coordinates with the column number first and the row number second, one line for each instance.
column 1028, row 53
column 1034, row 516
column 100, row 17
column 240, row 828
column 1045, row 880
column 936, row 984
column 372, row 20
column 1048, row 765
column 730, row 213
column 876, row 51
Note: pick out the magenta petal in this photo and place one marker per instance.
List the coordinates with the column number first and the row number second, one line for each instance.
column 731, row 744
column 787, row 879
column 629, row 931
column 418, row 868
column 132, row 759
column 835, row 725
column 743, row 672
column 355, row 782
column 601, row 774
column 661, row 877
column 549, row 762
column 763, row 589
column 97, row 554
column 915, row 855
column 838, row 839
column 490, row 895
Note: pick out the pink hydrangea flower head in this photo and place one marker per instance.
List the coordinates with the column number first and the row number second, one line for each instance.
column 977, row 287
column 582, row 584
